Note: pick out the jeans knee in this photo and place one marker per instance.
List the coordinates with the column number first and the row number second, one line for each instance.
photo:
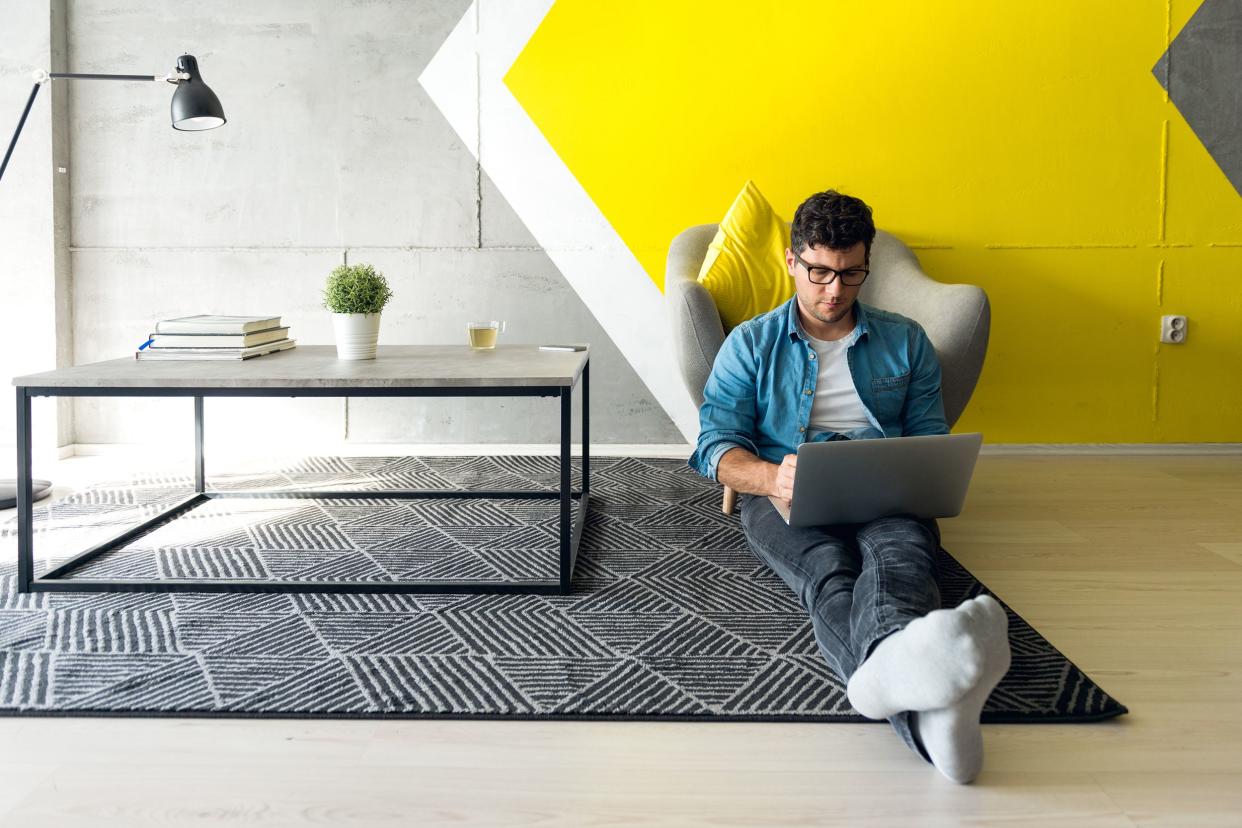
column 827, row 583
column 901, row 531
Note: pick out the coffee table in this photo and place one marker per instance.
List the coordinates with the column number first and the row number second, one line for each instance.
column 314, row 371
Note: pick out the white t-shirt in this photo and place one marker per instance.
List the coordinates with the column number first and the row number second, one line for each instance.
column 837, row 406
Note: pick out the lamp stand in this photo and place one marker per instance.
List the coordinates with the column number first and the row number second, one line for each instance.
column 194, row 107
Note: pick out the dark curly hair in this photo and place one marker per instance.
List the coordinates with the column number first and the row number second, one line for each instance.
column 832, row 220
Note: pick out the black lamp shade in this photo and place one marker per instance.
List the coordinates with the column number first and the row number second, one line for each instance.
column 194, row 106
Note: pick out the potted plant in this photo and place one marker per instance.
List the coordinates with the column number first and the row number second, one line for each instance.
column 356, row 294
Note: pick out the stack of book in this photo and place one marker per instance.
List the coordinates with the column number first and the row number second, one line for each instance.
column 215, row 337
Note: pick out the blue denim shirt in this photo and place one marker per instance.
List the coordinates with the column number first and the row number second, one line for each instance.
column 762, row 385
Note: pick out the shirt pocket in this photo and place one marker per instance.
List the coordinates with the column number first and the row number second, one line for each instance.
column 889, row 394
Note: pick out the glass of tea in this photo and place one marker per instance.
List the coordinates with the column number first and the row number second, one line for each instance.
column 483, row 334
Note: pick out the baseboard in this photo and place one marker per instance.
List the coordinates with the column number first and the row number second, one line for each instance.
column 679, row 451
column 672, row 450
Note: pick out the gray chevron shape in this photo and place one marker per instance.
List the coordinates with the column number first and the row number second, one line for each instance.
column 1202, row 72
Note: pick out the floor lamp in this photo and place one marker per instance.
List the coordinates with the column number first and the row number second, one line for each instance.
column 194, row 108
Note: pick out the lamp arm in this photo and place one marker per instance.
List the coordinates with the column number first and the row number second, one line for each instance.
column 42, row 77
column 21, row 123
column 173, row 77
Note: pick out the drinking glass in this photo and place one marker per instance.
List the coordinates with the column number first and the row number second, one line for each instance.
column 483, row 334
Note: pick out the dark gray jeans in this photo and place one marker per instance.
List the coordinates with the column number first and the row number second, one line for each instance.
column 858, row 582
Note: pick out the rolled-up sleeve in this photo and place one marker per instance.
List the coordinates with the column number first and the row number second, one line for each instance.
column 729, row 411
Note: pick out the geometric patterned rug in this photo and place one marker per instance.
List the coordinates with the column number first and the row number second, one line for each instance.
column 670, row 617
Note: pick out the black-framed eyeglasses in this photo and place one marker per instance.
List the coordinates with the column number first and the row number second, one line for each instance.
column 821, row 275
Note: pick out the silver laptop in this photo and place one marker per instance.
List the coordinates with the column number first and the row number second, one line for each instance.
column 856, row 481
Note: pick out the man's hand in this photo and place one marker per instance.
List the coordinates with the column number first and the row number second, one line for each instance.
column 744, row 472
column 782, row 485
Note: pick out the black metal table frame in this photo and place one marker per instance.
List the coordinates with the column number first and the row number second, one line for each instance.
column 54, row 580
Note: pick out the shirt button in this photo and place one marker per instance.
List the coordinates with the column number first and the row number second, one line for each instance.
column 812, row 356
column 808, row 392
column 801, row 428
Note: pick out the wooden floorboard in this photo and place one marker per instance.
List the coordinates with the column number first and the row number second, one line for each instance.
column 1130, row 565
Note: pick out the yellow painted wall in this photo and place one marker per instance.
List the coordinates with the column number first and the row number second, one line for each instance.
column 1026, row 148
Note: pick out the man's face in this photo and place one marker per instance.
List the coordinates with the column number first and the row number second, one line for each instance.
column 827, row 303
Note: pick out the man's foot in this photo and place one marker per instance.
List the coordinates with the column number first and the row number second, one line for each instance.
column 951, row 735
column 933, row 662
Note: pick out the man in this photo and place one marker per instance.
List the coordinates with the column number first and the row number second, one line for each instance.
column 825, row 366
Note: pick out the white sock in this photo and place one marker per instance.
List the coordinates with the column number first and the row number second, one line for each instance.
column 951, row 735
column 929, row 664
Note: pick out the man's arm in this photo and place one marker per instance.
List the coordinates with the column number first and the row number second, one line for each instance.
column 923, row 412
column 747, row 473
column 727, row 416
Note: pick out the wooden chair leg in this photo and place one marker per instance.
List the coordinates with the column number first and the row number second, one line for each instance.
column 730, row 501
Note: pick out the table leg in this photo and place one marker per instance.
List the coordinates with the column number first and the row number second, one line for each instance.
column 566, row 492
column 25, row 495
column 200, row 478
column 586, row 426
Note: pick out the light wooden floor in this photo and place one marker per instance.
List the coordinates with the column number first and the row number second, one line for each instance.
column 1132, row 566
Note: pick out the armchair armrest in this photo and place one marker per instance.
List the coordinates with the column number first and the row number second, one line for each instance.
column 697, row 330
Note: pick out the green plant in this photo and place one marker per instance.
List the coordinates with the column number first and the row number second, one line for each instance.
column 356, row 288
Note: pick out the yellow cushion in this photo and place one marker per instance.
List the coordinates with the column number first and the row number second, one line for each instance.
column 745, row 266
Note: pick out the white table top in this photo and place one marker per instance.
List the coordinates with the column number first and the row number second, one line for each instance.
column 316, row 366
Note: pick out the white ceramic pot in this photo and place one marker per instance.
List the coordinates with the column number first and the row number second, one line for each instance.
column 357, row 334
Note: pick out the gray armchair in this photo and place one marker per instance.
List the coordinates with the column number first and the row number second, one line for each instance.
column 956, row 317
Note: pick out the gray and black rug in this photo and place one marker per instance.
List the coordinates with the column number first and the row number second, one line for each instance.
column 671, row 616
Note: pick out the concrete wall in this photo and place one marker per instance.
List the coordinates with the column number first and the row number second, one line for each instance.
column 333, row 152
column 35, row 312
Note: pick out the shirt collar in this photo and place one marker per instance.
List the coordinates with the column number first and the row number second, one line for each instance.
column 794, row 331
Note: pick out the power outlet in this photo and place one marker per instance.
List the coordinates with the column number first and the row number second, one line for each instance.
column 1173, row 329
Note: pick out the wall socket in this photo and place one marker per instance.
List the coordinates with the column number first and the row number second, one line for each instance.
column 1173, row 329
